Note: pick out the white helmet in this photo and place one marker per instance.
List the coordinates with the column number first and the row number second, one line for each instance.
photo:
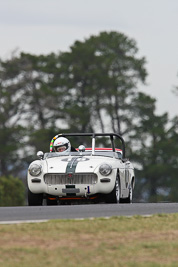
column 62, row 144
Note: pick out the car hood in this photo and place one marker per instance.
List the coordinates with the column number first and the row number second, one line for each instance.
column 75, row 164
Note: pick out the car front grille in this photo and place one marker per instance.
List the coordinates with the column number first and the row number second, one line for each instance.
column 75, row 178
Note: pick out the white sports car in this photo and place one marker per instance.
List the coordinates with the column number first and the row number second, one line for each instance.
column 93, row 174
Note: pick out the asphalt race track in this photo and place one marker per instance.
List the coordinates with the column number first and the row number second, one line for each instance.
column 42, row 213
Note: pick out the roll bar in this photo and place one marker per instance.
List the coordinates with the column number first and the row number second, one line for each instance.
column 93, row 135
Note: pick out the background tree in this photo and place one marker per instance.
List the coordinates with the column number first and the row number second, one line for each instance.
column 29, row 108
column 44, row 99
column 153, row 150
column 100, row 76
column 173, row 155
column 11, row 110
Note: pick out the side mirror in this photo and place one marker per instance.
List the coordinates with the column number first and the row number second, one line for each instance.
column 40, row 154
column 81, row 148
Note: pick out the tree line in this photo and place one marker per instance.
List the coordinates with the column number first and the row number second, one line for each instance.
column 91, row 88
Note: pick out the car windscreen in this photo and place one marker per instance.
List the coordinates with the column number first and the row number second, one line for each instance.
column 109, row 154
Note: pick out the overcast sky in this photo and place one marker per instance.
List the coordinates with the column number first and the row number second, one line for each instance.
column 45, row 26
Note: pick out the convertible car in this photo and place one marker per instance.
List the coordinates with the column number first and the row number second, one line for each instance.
column 89, row 173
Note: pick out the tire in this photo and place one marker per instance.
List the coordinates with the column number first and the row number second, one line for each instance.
column 130, row 196
column 35, row 199
column 114, row 196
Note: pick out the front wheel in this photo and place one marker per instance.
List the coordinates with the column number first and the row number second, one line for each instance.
column 35, row 199
column 114, row 196
column 130, row 196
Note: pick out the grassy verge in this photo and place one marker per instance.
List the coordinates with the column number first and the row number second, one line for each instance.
column 118, row 241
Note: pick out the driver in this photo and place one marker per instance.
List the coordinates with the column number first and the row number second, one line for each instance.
column 62, row 144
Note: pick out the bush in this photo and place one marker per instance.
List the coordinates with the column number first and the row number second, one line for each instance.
column 12, row 191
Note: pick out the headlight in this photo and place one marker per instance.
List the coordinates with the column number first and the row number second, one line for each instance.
column 35, row 170
column 105, row 169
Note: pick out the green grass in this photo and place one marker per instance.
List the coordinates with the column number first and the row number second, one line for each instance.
column 118, row 241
